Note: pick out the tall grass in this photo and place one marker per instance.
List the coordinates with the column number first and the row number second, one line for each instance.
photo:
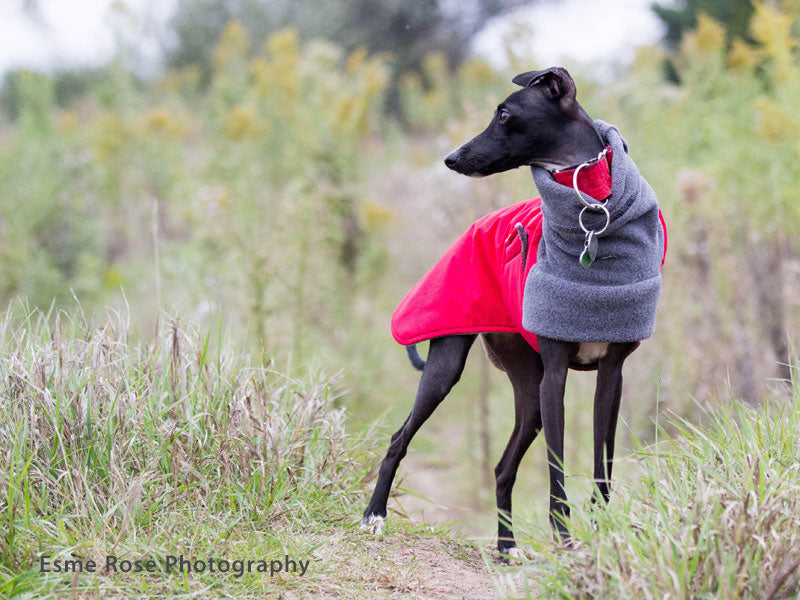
column 284, row 200
column 176, row 447
column 715, row 513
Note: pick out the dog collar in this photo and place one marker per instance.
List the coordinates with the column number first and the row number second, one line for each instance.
column 594, row 176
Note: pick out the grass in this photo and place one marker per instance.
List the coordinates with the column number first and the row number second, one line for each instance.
column 181, row 447
column 715, row 513
column 177, row 447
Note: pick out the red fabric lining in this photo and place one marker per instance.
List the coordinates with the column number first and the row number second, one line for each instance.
column 594, row 180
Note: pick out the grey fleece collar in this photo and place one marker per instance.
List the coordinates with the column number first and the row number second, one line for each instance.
column 615, row 300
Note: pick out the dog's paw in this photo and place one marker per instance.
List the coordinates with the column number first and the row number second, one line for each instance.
column 374, row 524
column 512, row 556
column 516, row 555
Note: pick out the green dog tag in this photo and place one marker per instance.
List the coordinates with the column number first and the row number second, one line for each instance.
column 589, row 250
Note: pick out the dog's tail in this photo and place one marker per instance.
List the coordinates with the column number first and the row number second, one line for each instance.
column 415, row 358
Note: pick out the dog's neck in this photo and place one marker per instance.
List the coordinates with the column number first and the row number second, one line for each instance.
column 578, row 143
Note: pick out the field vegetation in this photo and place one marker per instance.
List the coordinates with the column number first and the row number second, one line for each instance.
column 199, row 272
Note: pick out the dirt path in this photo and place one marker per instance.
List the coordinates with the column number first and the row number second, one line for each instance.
column 399, row 566
column 439, row 502
column 431, row 568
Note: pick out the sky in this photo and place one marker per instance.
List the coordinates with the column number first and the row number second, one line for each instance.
column 606, row 32
column 69, row 33
column 73, row 33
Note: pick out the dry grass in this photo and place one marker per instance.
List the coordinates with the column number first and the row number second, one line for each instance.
column 107, row 447
column 181, row 447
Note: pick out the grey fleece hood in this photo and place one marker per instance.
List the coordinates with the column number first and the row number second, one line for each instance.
column 615, row 299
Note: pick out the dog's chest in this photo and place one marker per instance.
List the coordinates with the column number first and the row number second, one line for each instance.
column 591, row 352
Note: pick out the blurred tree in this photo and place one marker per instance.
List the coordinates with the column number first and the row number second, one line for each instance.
column 406, row 31
column 734, row 15
column 196, row 25
column 69, row 86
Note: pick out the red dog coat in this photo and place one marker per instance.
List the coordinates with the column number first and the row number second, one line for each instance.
column 477, row 285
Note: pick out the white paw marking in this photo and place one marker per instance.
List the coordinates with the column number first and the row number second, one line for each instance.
column 516, row 554
column 374, row 524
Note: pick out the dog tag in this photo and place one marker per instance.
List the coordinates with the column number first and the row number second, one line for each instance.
column 589, row 250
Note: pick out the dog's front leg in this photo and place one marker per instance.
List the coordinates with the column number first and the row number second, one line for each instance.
column 606, row 410
column 555, row 357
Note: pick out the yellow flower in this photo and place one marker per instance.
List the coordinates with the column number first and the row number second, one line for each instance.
column 238, row 122
column 110, row 133
column 242, row 122
column 770, row 26
column 743, row 56
column 435, row 98
column 773, row 30
column 344, row 112
column 284, row 42
column 233, row 43
column 477, row 71
column 375, row 76
column 184, row 79
column 775, row 124
column 647, row 58
column 708, row 37
column 68, row 121
column 435, row 66
column 356, row 59
column 375, row 216
column 284, row 50
column 262, row 75
column 160, row 122
column 157, row 120
column 112, row 278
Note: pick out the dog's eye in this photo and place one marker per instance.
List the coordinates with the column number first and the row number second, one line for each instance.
column 503, row 116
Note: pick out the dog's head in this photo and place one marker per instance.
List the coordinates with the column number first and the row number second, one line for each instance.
column 528, row 127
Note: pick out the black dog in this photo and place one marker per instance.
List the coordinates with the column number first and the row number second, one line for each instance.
column 541, row 124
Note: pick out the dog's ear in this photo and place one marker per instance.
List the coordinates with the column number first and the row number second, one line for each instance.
column 556, row 81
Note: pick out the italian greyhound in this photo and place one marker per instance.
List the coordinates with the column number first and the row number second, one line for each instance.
column 541, row 124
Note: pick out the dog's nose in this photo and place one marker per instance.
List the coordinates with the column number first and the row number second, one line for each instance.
column 451, row 159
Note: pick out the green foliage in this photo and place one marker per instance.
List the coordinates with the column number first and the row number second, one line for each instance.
column 49, row 243
column 294, row 119
column 441, row 95
column 143, row 450
column 733, row 15
column 278, row 196
column 257, row 181
column 405, row 33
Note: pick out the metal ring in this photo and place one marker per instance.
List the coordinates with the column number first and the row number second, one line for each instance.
column 589, row 205
column 600, row 207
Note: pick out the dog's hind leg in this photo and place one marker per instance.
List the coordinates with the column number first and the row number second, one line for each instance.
column 606, row 410
column 523, row 365
column 446, row 358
